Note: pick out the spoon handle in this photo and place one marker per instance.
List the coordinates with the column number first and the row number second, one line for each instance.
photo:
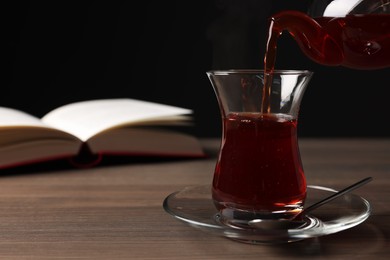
column 334, row 196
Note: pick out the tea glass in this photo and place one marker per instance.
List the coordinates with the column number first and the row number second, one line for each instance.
column 259, row 172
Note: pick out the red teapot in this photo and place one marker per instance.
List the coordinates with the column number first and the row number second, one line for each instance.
column 350, row 33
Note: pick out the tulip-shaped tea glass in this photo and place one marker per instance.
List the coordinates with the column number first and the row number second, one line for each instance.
column 259, row 173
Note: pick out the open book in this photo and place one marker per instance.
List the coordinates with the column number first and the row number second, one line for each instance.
column 95, row 127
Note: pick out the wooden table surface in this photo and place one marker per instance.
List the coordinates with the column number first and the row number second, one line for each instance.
column 115, row 211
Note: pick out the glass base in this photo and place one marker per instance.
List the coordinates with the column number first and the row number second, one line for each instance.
column 228, row 211
column 194, row 206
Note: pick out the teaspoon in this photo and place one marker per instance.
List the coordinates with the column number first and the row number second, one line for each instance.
column 297, row 221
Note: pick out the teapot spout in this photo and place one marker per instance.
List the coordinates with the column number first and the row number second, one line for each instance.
column 310, row 36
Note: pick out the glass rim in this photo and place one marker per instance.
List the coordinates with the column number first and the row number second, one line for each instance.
column 257, row 71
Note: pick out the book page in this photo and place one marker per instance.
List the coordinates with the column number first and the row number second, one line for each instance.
column 10, row 117
column 143, row 141
column 88, row 118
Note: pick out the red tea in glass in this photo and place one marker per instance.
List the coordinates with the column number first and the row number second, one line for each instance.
column 259, row 168
column 259, row 172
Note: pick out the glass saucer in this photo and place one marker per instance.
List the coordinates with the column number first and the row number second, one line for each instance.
column 194, row 206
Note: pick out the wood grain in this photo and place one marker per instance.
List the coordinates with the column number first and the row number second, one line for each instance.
column 115, row 212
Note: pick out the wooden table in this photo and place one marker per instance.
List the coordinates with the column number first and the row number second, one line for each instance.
column 115, row 212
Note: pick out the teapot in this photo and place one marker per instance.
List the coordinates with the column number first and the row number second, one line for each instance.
column 349, row 33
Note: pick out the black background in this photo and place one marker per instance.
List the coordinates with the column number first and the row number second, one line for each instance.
column 57, row 52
